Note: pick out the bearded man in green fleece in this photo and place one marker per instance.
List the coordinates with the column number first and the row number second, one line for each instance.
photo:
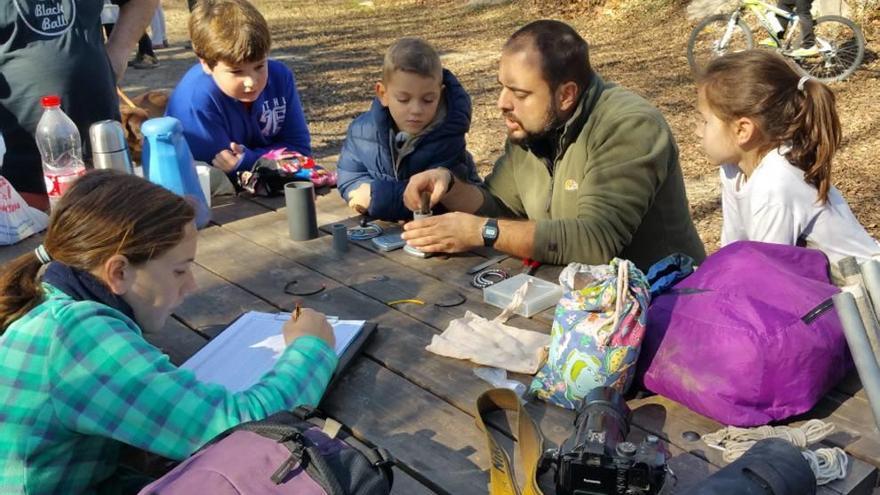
column 590, row 170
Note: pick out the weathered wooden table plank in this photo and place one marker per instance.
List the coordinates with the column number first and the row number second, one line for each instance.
column 359, row 268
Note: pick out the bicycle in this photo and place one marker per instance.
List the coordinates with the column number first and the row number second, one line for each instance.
column 840, row 42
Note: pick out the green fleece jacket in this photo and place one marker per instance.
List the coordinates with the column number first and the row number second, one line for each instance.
column 612, row 187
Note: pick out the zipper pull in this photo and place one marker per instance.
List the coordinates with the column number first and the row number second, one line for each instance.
column 297, row 456
column 283, row 470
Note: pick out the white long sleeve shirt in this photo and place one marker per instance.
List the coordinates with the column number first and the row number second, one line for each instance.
column 777, row 205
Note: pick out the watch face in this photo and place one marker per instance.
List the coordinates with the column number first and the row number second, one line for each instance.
column 491, row 232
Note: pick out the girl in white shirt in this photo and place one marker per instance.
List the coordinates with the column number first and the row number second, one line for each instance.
column 774, row 133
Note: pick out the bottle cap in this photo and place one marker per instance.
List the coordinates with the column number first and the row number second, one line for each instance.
column 50, row 101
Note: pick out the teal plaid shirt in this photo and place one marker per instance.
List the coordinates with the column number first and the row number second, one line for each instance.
column 77, row 380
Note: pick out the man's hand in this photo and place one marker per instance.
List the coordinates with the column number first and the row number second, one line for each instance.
column 435, row 182
column 227, row 160
column 359, row 199
column 450, row 233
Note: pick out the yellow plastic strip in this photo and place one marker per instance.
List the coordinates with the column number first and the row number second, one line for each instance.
column 404, row 301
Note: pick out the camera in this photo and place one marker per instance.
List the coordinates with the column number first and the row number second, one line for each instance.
column 597, row 459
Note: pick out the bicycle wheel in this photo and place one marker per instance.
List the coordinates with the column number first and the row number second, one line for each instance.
column 706, row 40
column 841, row 50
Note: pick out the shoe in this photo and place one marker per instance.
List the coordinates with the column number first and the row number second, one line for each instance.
column 144, row 62
column 159, row 46
column 810, row 51
column 768, row 42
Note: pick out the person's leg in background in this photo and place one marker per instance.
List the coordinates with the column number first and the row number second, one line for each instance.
column 808, row 38
column 146, row 57
column 790, row 6
column 157, row 28
column 807, row 46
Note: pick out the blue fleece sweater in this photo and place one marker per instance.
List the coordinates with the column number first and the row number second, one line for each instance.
column 211, row 120
column 366, row 153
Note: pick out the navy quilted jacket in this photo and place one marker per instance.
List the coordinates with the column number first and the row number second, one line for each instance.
column 366, row 153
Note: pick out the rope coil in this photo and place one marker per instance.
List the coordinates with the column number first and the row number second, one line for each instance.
column 828, row 464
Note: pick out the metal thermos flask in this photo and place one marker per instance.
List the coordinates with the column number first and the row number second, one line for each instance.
column 109, row 148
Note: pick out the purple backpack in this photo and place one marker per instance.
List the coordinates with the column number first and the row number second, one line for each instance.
column 286, row 453
column 750, row 338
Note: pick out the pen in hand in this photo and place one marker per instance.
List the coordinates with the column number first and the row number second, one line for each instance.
column 312, row 323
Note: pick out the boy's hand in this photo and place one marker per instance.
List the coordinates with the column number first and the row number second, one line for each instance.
column 309, row 322
column 359, row 199
column 436, row 182
column 228, row 160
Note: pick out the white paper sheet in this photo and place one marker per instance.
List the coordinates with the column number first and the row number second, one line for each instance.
column 248, row 348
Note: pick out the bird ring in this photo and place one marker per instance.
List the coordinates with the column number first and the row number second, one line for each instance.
column 292, row 289
column 364, row 233
column 489, row 277
column 451, row 300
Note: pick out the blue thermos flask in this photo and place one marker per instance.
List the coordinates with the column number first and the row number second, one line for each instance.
column 167, row 161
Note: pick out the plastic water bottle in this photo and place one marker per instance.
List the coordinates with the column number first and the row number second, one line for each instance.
column 60, row 147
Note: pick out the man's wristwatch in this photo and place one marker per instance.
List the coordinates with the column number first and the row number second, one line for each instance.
column 490, row 232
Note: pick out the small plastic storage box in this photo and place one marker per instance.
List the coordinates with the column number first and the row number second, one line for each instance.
column 540, row 296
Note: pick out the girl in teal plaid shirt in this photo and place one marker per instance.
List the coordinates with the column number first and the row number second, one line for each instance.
column 77, row 378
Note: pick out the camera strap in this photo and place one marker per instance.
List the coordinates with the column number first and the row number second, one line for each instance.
column 530, row 443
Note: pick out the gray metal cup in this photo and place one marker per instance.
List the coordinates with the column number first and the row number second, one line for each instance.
column 302, row 219
column 109, row 147
column 340, row 238
column 411, row 250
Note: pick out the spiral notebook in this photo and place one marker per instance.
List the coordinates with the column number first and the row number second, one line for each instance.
column 250, row 346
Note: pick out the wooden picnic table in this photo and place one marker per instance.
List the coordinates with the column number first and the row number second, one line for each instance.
column 397, row 395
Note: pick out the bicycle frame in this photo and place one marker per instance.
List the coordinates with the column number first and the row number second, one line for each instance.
column 760, row 10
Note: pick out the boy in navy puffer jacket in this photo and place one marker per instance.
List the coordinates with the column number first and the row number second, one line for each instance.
column 418, row 121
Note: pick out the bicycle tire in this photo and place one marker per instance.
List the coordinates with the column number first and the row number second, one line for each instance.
column 845, row 57
column 717, row 22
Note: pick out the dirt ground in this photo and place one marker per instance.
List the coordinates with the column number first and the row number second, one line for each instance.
column 335, row 49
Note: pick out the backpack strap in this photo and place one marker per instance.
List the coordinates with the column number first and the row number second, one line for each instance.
column 530, row 444
column 377, row 456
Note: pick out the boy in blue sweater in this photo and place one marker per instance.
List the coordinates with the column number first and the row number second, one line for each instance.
column 236, row 104
column 418, row 121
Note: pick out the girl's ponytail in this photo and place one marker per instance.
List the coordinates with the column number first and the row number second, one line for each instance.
column 20, row 290
column 815, row 134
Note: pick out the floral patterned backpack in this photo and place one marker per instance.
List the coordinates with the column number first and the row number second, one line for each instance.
column 597, row 332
